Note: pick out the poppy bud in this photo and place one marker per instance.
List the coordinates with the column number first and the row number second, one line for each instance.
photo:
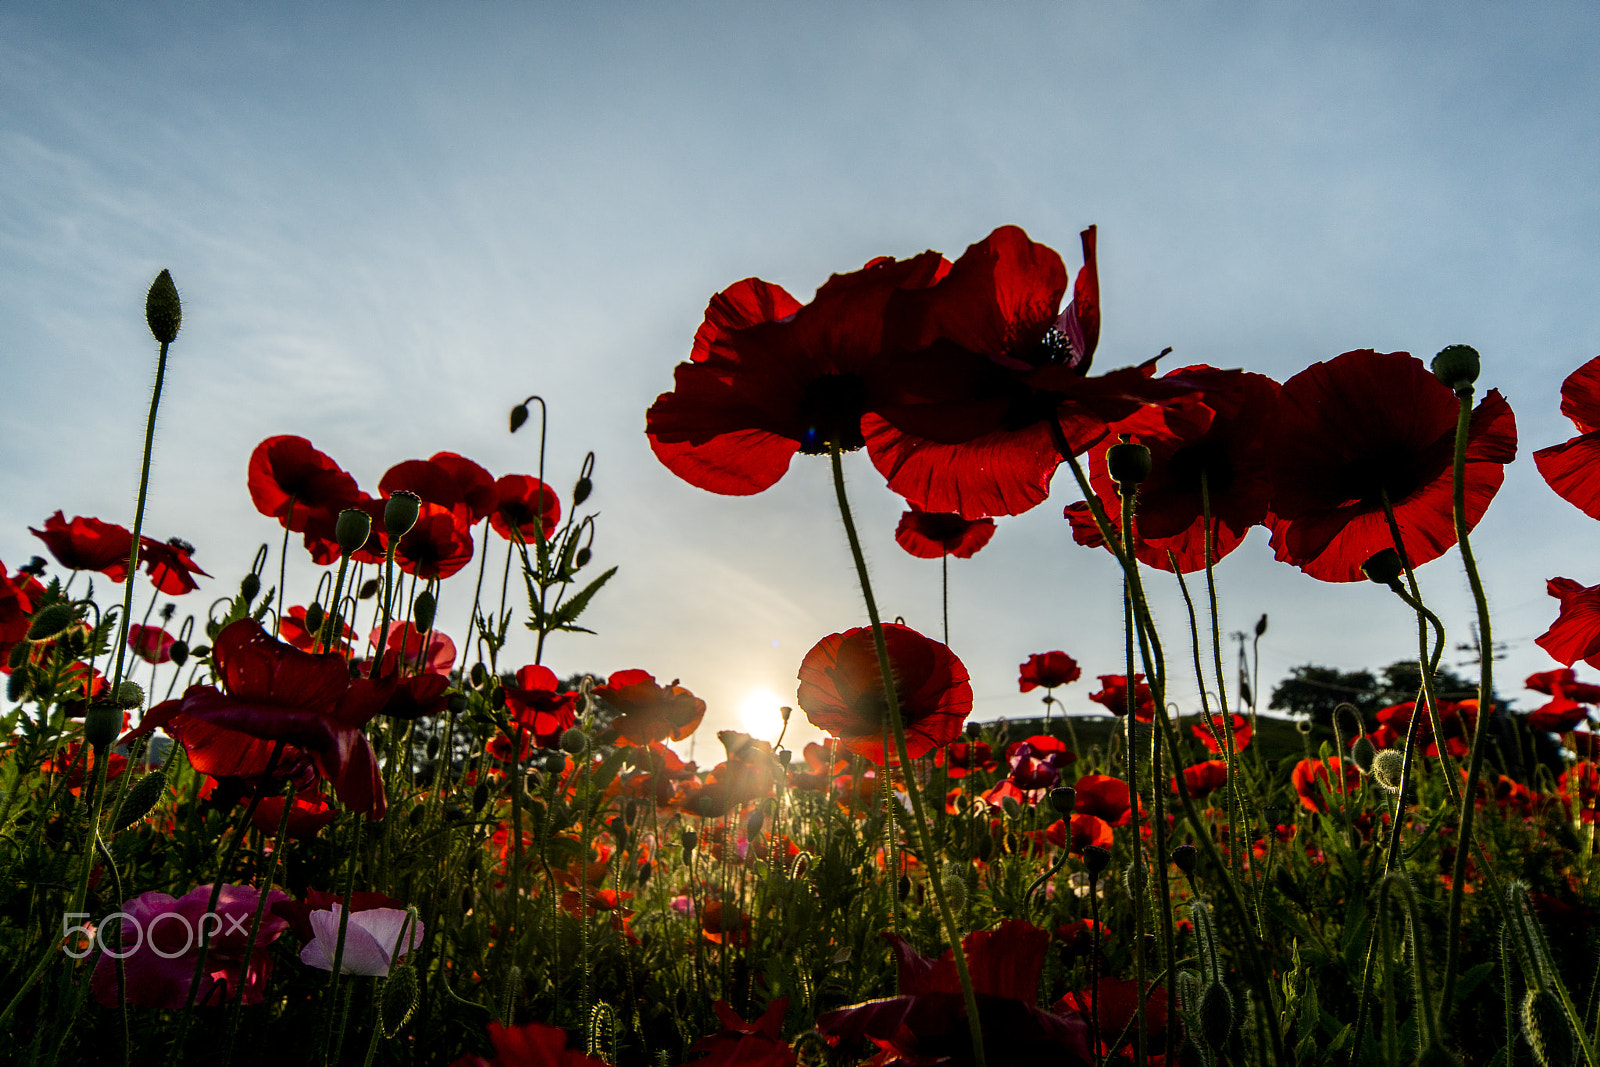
column 903, row 887
column 581, row 491
column 398, row 999
column 352, row 529
column 1095, row 858
column 200, row 651
column 1216, row 1015
column 17, row 684
column 583, row 557
column 480, row 796
column 130, row 695
column 400, row 512
column 422, row 610
column 1544, row 1024
column 644, row 872
column 497, row 699
column 457, row 703
column 519, row 415
column 574, row 741
column 1436, row 1055
column 1063, row 798
column 314, row 617
column 1303, row 726
column 479, row 675
column 690, row 840
column 368, row 590
column 179, row 652
column 17, row 656
column 162, row 311
column 1384, row 568
column 757, row 819
column 51, row 619
column 1457, row 366
column 1261, row 625
column 34, row 566
column 100, row 725
column 1363, row 754
column 1128, row 463
column 141, row 800
column 433, row 748
column 1386, row 769
column 249, row 586
column 1183, row 857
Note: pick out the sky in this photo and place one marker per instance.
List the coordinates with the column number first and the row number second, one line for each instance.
column 388, row 230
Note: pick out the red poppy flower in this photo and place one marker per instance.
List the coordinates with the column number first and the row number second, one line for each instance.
column 321, row 524
column 530, row 1045
column 86, row 544
column 1242, row 733
column 932, row 534
column 1559, row 716
column 289, row 479
column 1078, row 832
column 1569, row 468
column 842, row 691
column 439, row 545
column 1205, row 778
column 445, row 479
column 768, row 378
column 1048, row 670
column 1227, row 456
column 961, row 758
column 648, row 712
column 170, row 565
column 989, row 361
column 1575, row 634
column 721, row 923
column 1564, row 683
column 1311, row 779
column 525, row 508
column 416, row 695
column 1105, row 796
column 311, row 812
column 1363, row 424
column 292, row 628
column 406, row 642
column 150, row 643
column 274, row 692
column 1115, row 1002
column 1113, row 696
column 742, row 1044
column 928, row 1022
column 19, row 596
column 821, row 763
column 538, row 706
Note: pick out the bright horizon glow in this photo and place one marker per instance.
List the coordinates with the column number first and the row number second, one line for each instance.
column 760, row 716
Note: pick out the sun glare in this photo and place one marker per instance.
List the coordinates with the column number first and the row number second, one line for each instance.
column 760, row 714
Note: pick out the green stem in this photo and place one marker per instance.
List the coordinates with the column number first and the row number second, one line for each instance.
column 138, row 518
column 1129, row 495
column 263, row 891
column 891, row 699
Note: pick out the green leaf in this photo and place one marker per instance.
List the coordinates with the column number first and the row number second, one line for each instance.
column 568, row 612
column 1472, row 978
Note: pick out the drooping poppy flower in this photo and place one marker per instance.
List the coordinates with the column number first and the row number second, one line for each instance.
column 1569, row 468
column 374, row 940
column 1559, row 716
column 932, row 534
column 1565, row 683
column 447, row 480
column 416, row 695
column 530, row 1045
column 1242, row 732
column 842, row 691
column 1575, row 634
column 648, row 712
column 170, row 564
column 1227, row 458
column 310, row 813
column 1113, row 696
column 746, row 1044
column 1047, row 670
column 1312, row 782
column 769, row 378
column 86, row 544
column 990, row 380
column 159, row 969
column 273, row 692
column 1204, row 778
column 525, row 508
column 151, row 643
column 538, row 707
column 439, row 545
column 928, row 1022
column 721, row 923
column 1363, row 425
column 289, row 479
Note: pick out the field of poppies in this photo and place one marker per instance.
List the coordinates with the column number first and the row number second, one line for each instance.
column 324, row 827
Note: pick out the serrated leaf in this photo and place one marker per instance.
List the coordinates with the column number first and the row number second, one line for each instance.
column 1471, row 978
column 568, row 612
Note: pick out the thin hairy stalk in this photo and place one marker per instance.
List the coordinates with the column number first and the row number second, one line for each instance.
column 1136, row 890
column 263, row 890
column 138, row 517
column 891, row 699
column 944, row 575
column 283, row 563
column 325, row 1042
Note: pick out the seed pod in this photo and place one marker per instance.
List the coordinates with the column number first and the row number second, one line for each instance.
column 1216, row 1015
column 162, row 310
column 1387, row 767
column 1095, row 858
column 1384, row 568
column 351, row 529
column 1063, row 798
column 400, row 512
column 1457, row 366
column 368, row 590
column 399, row 999
column 130, row 695
column 250, row 586
column 1128, row 463
column 422, row 610
column 574, row 741
column 51, row 619
column 100, row 725
column 141, row 799
column 1183, row 857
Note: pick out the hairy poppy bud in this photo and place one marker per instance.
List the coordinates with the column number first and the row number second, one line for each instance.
column 422, row 610
column 314, row 617
column 130, row 695
column 51, row 619
column 1436, row 1055
column 141, row 800
column 1063, row 798
column 250, row 586
column 1457, row 366
column 480, row 796
column 574, row 741
column 1384, row 568
column 17, row 656
column 352, row 529
column 100, row 725
column 1216, row 1015
column 1183, row 857
column 903, row 887
column 368, row 590
column 1128, row 463
column 400, row 512
column 753, row 824
column 479, row 675
column 399, row 998
column 690, row 840
column 1261, row 625
column 954, row 881
column 519, row 415
column 1095, row 858
column 1363, row 754
column 497, row 699
column 162, row 311
column 1387, row 767
column 581, row 491
column 1544, row 1024
column 17, row 684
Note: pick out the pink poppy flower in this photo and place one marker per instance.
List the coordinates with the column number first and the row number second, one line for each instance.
column 372, row 940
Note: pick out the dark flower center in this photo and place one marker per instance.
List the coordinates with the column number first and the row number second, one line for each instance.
column 1366, row 478
column 830, row 410
column 940, row 526
column 1055, row 349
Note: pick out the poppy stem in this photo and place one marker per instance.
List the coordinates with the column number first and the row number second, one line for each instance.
column 138, row 519
column 944, row 574
column 384, row 608
column 283, row 563
column 263, row 891
column 891, row 699
column 1128, row 493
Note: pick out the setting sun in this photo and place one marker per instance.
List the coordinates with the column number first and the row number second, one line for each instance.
column 760, row 716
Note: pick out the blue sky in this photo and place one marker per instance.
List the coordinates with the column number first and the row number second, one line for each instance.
column 387, row 230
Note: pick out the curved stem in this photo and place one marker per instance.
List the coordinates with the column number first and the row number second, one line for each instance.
column 891, row 699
